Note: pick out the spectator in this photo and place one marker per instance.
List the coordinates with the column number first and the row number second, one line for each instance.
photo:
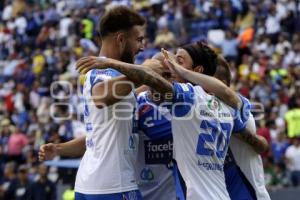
column 8, row 181
column 230, row 46
column 279, row 148
column 16, row 143
column 21, row 188
column 293, row 161
column 273, row 25
column 165, row 39
column 43, row 188
column 292, row 118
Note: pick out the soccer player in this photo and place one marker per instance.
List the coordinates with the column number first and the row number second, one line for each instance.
column 250, row 184
column 107, row 167
column 156, row 171
column 229, row 72
column 200, row 157
column 244, row 171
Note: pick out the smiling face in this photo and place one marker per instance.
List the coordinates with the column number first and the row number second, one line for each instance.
column 133, row 44
column 184, row 59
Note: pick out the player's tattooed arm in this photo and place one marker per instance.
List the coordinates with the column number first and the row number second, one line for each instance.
column 107, row 92
column 208, row 83
column 149, row 75
column 257, row 142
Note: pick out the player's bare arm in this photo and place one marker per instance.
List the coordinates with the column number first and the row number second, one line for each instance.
column 257, row 142
column 73, row 148
column 136, row 73
column 114, row 89
column 208, row 83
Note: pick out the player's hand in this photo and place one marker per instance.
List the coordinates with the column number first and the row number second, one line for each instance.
column 156, row 66
column 86, row 64
column 171, row 63
column 47, row 152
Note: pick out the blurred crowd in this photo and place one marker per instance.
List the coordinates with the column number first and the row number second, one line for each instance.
column 40, row 41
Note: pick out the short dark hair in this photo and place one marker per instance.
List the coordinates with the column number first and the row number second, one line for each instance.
column 223, row 70
column 203, row 55
column 119, row 18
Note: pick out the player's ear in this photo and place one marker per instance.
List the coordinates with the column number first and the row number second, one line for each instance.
column 199, row 69
column 121, row 40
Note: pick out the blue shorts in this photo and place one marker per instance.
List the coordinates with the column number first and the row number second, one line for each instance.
column 238, row 187
column 131, row 195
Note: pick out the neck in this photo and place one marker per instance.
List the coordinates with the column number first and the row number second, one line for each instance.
column 108, row 51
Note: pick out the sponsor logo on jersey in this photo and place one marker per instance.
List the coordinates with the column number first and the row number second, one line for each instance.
column 132, row 142
column 210, row 166
column 158, row 151
column 147, row 174
column 214, row 104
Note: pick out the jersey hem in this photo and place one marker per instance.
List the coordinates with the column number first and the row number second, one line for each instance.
column 108, row 191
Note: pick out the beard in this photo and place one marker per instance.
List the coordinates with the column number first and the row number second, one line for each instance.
column 127, row 55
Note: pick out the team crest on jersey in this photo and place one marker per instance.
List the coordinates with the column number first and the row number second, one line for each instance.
column 147, row 174
column 214, row 104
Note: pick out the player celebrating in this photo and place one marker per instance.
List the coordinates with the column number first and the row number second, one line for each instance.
column 107, row 167
column 238, row 186
column 196, row 162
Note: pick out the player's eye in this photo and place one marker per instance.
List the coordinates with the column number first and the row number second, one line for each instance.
column 179, row 60
column 140, row 39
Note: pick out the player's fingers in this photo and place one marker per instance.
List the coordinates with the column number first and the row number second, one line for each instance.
column 165, row 53
column 47, row 147
column 79, row 61
column 87, row 68
column 92, row 65
column 168, row 63
column 42, row 157
column 168, row 56
column 41, row 152
column 83, row 60
column 42, row 148
column 85, row 65
column 82, row 63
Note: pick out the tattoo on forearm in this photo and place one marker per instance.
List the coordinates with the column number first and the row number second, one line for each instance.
column 143, row 76
column 250, row 139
